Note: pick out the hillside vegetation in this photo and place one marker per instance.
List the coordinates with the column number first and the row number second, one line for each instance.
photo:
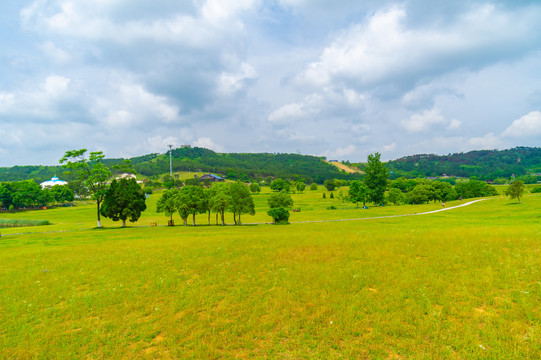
column 483, row 164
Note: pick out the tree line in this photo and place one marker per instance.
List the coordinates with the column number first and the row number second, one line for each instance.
column 27, row 194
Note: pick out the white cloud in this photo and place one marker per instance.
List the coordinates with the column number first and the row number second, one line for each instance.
column 486, row 142
column 528, row 125
column 390, row 147
column 55, row 53
column 158, row 144
column 427, row 120
column 230, row 83
column 208, row 143
column 385, row 50
column 341, row 152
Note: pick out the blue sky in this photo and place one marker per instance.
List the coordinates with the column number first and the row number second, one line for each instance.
column 341, row 79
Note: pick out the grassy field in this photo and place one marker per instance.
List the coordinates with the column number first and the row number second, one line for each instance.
column 459, row 284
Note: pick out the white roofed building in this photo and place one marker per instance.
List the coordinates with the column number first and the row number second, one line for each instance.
column 54, row 181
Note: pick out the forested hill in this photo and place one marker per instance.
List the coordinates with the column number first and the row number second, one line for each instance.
column 244, row 166
column 484, row 164
column 232, row 166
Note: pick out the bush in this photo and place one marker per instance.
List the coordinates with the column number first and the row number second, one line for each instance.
column 280, row 215
column 332, row 207
column 332, row 196
column 313, row 186
column 536, row 189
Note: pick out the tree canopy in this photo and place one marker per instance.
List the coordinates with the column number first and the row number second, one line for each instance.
column 124, row 200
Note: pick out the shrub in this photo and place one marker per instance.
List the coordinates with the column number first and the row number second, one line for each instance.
column 313, row 186
column 536, row 189
column 332, row 207
column 280, row 215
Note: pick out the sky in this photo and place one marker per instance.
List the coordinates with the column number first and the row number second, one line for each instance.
column 341, row 79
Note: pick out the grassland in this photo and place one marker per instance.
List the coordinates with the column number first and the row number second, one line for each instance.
column 459, row 284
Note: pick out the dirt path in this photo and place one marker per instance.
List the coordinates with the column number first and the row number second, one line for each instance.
column 391, row 216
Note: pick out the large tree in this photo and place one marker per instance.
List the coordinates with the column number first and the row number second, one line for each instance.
column 515, row 190
column 241, row 201
column 279, row 204
column 220, row 199
column 167, row 203
column 376, row 175
column 124, row 200
column 192, row 200
column 91, row 172
column 358, row 192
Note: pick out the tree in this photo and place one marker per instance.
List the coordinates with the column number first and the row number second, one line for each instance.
column 255, row 188
column 280, row 185
column 515, row 190
column 124, row 200
column 395, row 196
column 279, row 204
column 61, row 193
column 329, row 184
column 167, row 203
column 358, row 192
column 192, row 200
column 376, row 175
column 92, row 173
column 313, row 186
column 220, row 199
column 241, row 201
column 300, row 186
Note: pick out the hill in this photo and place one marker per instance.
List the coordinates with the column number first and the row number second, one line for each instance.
column 483, row 164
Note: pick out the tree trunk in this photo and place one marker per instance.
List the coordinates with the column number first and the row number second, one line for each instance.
column 235, row 218
column 209, row 217
column 193, row 219
column 216, row 218
column 123, row 222
column 99, row 219
column 239, row 220
column 223, row 222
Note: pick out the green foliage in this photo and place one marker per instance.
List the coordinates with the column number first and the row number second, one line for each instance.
column 124, row 200
column 23, row 194
column 279, row 215
column 168, row 203
column 324, row 196
column 444, row 191
column 515, row 190
column 280, row 185
column 313, row 186
column 376, row 175
column 396, row 196
column 220, row 199
column 241, row 201
column 280, row 199
column 300, row 185
column 358, row 192
column 191, row 200
column 536, row 189
column 255, row 188
column 421, row 194
column 91, row 172
column 474, row 188
column 61, row 193
column 331, row 196
column 7, row 223
column 484, row 164
column 332, row 207
column 329, row 184
column 529, row 179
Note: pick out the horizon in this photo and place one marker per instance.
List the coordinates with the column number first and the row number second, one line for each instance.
column 341, row 80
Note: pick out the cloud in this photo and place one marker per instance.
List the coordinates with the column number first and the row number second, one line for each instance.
column 230, row 83
column 208, row 143
column 341, row 152
column 428, row 120
column 384, row 52
column 527, row 126
column 486, row 142
column 158, row 144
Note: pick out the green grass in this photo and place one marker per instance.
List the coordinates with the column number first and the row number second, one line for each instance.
column 459, row 284
column 5, row 223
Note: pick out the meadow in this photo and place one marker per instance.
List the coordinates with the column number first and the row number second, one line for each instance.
column 458, row 284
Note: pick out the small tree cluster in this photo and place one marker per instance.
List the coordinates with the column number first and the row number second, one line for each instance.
column 279, row 204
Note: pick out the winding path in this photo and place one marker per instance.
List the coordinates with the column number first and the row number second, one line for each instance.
column 391, row 216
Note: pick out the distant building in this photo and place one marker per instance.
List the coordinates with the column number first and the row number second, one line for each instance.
column 54, row 181
column 212, row 177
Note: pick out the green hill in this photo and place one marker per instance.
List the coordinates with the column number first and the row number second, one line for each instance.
column 483, row 164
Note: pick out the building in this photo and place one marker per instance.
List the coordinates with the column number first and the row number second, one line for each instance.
column 212, row 178
column 54, row 181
